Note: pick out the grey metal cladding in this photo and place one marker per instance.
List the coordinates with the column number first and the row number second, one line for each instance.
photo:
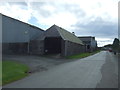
column 35, row 33
column 16, row 31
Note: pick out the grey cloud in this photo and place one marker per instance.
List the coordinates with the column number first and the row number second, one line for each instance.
column 18, row 3
column 38, row 6
column 75, row 9
column 98, row 28
column 105, row 41
column 22, row 5
column 37, row 3
column 67, row 7
column 59, row 8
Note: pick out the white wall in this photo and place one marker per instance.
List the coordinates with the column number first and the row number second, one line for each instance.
column 93, row 43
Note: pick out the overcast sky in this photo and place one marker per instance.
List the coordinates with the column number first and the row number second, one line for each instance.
column 97, row 18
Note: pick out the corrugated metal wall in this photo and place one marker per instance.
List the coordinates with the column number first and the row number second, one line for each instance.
column 16, row 31
column 16, row 36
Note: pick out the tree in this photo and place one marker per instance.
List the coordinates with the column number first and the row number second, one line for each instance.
column 108, row 45
column 115, row 45
column 119, row 47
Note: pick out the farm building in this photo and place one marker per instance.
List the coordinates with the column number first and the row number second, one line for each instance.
column 58, row 40
column 90, row 43
column 16, row 35
column 22, row 38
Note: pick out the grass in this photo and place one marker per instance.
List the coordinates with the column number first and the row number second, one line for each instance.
column 12, row 71
column 82, row 55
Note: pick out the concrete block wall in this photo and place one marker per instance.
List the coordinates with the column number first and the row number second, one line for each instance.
column 73, row 48
column 14, row 48
column 37, row 47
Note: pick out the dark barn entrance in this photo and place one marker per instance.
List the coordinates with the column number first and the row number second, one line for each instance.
column 52, row 45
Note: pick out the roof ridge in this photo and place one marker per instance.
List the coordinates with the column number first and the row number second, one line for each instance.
column 59, row 31
column 31, row 25
column 62, row 30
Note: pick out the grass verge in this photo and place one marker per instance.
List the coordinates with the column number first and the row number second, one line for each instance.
column 12, row 71
column 82, row 55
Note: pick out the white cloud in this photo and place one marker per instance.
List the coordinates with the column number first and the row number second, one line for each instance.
column 66, row 13
column 15, row 11
column 106, row 9
column 104, row 41
column 62, row 19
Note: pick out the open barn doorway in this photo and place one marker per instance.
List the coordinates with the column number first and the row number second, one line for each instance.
column 52, row 45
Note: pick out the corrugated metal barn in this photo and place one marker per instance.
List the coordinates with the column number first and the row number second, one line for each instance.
column 16, row 35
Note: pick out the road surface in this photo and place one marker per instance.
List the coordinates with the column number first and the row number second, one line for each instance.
column 96, row 71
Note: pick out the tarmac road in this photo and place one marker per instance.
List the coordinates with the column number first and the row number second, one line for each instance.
column 96, row 71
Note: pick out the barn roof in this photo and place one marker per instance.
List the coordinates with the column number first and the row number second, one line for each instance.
column 33, row 26
column 68, row 35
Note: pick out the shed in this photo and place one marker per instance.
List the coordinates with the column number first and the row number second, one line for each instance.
column 59, row 40
column 90, row 43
